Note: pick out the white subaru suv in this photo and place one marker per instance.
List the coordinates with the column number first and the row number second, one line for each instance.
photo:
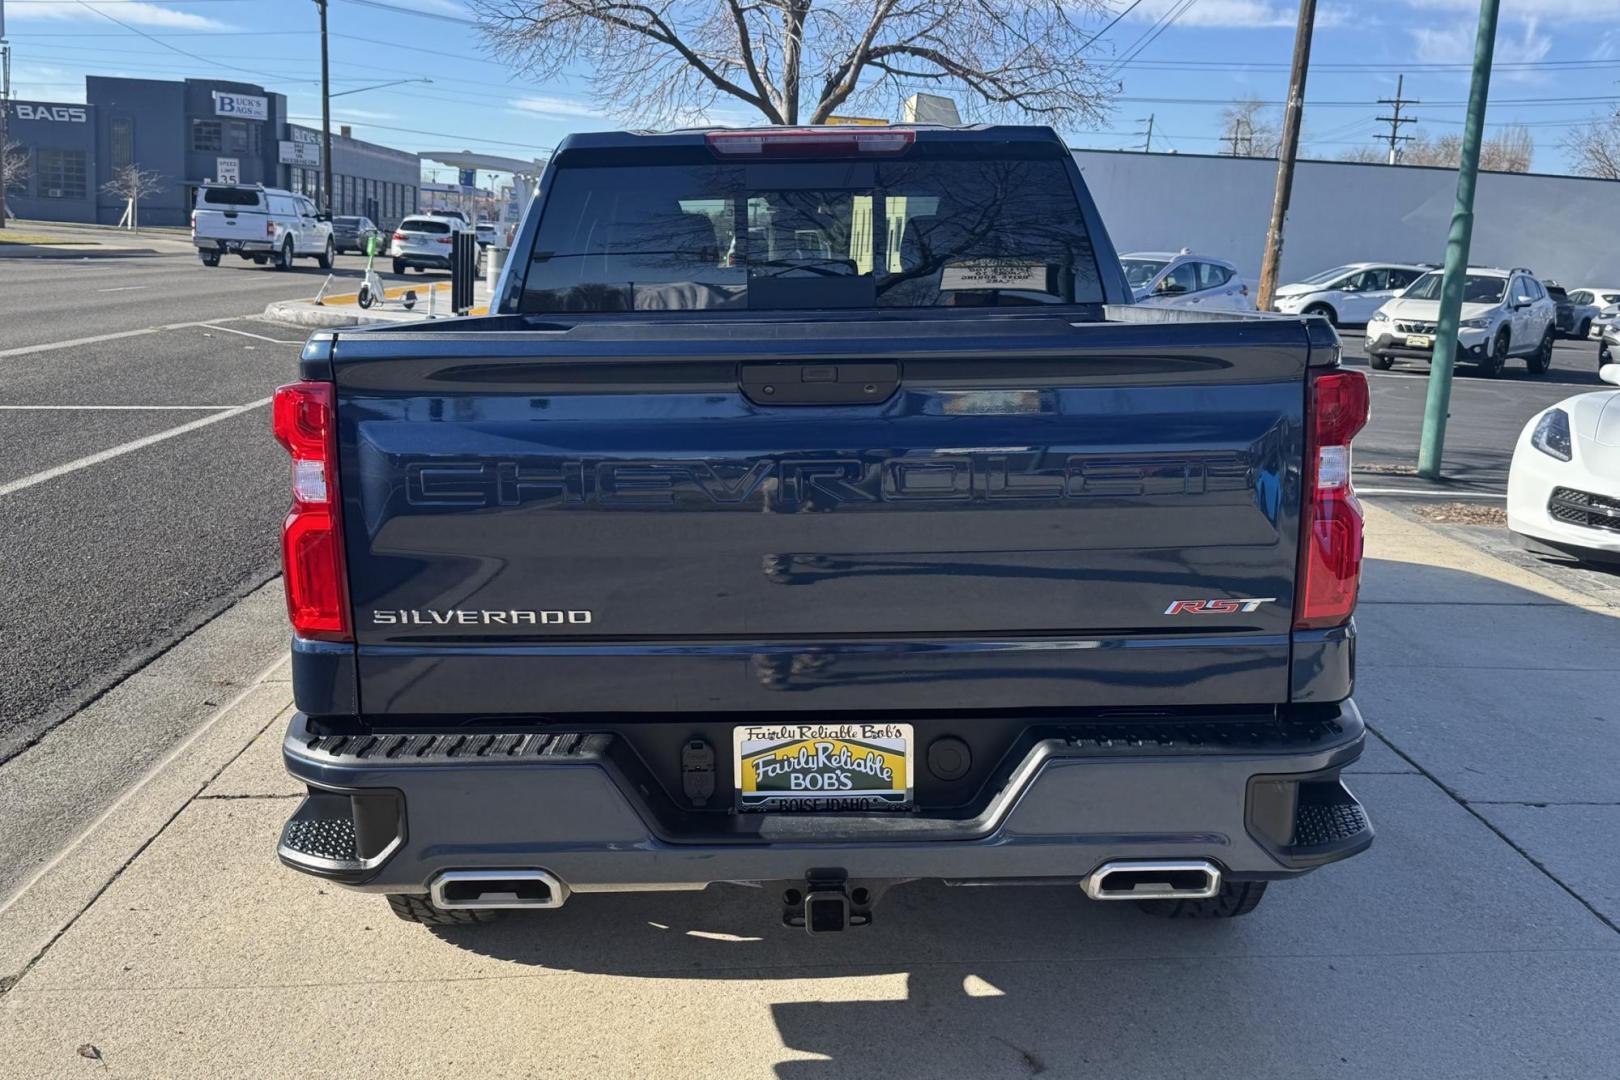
column 1505, row 313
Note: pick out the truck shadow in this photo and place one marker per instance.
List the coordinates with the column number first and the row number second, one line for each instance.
column 1365, row 968
column 946, row 982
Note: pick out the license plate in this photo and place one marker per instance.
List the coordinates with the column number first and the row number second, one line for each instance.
column 231, row 245
column 810, row 768
column 1419, row 341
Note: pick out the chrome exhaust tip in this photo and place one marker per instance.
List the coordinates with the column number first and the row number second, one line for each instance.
column 463, row 890
column 1170, row 879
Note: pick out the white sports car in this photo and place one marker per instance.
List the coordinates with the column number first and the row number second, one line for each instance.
column 1564, row 483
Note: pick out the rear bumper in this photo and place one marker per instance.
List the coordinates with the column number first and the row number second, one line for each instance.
column 1263, row 800
column 264, row 246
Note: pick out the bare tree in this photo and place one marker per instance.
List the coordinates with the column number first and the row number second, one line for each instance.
column 1510, row 150
column 132, row 184
column 1365, row 155
column 799, row 61
column 1248, row 131
column 13, row 165
column 1595, row 148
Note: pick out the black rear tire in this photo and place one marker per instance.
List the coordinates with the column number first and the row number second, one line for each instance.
column 399, row 268
column 1539, row 361
column 1381, row 363
column 284, row 257
column 324, row 259
column 1235, row 898
column 209, row 258
column 419, row 909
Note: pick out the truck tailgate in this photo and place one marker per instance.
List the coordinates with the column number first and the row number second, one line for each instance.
column 990, row 512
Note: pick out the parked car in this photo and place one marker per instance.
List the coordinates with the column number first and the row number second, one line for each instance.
column 1564, row 482
column 486, row 233
column 1608, row 345
column 1575, row 317
column 1182, row 279
column 351, row 233
column 833, row 564
column 422, row 241
column 261, row 224
column 1505, row 313
column 1348, row 295
column 1605, row 299
column 457, row 217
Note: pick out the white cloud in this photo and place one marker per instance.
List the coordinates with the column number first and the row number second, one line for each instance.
column 1455, row 45
column 135, row 12
column 546, row 105
column 1531, row 11
column 1233, row 14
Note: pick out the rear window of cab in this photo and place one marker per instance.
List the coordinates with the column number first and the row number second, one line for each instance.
column 229, row 196
column 424, row 225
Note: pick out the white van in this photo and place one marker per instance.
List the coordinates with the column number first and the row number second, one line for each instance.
column 259, row 223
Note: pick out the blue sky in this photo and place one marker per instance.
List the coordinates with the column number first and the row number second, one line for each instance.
column 1558, row 64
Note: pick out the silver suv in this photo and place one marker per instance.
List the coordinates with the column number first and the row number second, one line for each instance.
column 1505, row 313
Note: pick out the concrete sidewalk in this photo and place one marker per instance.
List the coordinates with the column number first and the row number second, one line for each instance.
column 1476, row 939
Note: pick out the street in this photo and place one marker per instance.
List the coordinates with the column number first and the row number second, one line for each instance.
column 145, row 641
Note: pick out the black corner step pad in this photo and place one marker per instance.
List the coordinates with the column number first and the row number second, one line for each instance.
column 1327, row 821
column 331, row 840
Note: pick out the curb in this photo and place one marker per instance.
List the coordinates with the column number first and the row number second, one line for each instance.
column 74, row 877
column 303, row 313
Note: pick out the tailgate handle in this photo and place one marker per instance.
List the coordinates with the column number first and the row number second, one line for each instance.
column 853, row 382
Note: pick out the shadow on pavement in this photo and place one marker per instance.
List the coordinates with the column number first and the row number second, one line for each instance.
column 1442, row 951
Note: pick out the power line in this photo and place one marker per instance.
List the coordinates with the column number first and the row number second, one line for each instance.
column 173, row 48
column 400, row 9
column 1147, row 147
column 1395, row 119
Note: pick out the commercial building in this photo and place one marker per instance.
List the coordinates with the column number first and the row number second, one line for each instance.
column 189, row 133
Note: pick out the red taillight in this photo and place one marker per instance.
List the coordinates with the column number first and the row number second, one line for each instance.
column 399, row 236
column 269, row 228
column 305, row 422
column 1330, row 558
column 447, row 239
column 810, row 142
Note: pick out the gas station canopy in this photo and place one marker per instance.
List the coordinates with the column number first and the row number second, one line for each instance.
column 466, row 159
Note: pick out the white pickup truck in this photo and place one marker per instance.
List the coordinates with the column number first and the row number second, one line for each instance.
column 261, row 224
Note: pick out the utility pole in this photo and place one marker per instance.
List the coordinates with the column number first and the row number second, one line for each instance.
column 326, row 117
column 1438, row 405
column 1287, row 152
column 1395, row 119
column 5, row 109
column 1147, row 147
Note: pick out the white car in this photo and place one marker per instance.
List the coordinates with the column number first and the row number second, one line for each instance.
column 1182, row 279
column 1564, row 483
column 1348, row 295
column 1605, row 298
column 1505, row 313
column 423, row 241
column 261, row 224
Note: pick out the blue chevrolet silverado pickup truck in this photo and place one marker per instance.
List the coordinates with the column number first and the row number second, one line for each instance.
column 813, row 509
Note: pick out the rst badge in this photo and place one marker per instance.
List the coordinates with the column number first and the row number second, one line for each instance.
column 1233, row 606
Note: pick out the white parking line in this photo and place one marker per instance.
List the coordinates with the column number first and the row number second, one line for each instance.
column 125, row 448
column 124, row 288
column 48, row 346
column 113, row 408
column 213, row 324
column 261, row 337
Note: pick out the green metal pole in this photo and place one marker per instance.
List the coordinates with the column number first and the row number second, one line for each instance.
column 1438, row 405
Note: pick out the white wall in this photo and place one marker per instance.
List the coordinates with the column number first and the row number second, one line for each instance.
column 1564, row 228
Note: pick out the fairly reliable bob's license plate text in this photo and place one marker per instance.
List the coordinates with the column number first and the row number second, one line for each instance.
column 810, row 768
